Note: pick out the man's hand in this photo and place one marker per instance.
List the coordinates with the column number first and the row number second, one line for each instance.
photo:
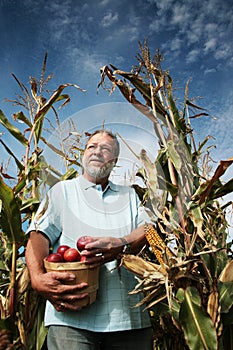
column 102, row 250
column 58, row 288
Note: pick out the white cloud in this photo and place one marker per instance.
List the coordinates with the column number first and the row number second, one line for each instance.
column 192, row 55
column 210, row 71
column 121, row 36
column 90, row 62
column 109, row 19
column 176, row 44
column 163, row 6
column 181, row 14
column 210, row 45
column 203, row 26
column 103, row 2
column 211, row 28
column 157, row 24
column 223, row 52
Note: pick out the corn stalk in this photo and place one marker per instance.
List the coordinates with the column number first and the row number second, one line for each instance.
column 190, row 303
column 21, row 308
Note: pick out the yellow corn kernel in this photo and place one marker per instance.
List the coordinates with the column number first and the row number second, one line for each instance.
column 156, row 243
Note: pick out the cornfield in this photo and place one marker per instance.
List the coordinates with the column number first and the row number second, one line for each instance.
column 184, row 273
column 21, row 308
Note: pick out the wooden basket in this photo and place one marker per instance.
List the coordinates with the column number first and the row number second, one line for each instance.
column 82, row 273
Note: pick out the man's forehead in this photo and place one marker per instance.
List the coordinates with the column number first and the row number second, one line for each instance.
column 101, row 138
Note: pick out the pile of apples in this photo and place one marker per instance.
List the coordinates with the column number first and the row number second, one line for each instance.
column 65, row 253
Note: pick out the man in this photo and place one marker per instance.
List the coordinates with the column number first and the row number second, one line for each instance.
column 94, row 206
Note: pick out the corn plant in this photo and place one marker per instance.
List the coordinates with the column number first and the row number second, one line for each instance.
column 186, row 275
column 21, row 308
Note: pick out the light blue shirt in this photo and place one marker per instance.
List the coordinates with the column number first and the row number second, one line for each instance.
column 77, row 207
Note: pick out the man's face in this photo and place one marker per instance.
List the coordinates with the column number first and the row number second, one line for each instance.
column 99, row 156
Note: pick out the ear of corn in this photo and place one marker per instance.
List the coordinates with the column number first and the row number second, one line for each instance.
column 157, row 244
column 139, row 266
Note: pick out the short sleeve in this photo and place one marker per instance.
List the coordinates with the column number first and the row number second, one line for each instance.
column 48, row 216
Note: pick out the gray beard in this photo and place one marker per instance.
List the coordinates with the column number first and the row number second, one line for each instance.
column 99, row 173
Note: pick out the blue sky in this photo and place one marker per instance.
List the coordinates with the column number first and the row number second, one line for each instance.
column 82, row 36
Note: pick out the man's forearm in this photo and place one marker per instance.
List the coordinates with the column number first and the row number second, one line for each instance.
column 136, row 239
column 37, row 249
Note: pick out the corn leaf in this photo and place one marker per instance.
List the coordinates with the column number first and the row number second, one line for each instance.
column 36, row 338
column 12, row 129
column 174, row 155
column 222, row 190
column 10, row 218
column 227, row 273
column 29, row 203
column 19, row 164
column 225, row 296
column 179, row 122
column 138, row 82
column 198, row 328
column 70, row 174
column 221, row 169
column 46, row 107
column 139, row 266
column 20, row 185
column 22, row 117
column 197, row 219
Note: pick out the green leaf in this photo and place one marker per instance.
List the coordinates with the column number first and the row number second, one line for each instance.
column 197, row 219
column 198, row 328
column 48, row 178
column 225, row 296
column 174, row 156
column 39, row 118
column 27, row 204
column 70, row 174
column 223, row 190
column 175, row 310
column 12, row 129
column 21, row 116
column 10, row 218
column 19, row 164
column 36, row 337
column 179, row 122
column 20, row 185
column 7, row 323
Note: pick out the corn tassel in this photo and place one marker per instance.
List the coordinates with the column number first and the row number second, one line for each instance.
column 156, row 243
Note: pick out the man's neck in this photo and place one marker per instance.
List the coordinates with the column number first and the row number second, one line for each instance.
column 103, row 182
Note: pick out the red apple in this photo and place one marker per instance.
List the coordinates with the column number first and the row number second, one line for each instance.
column 71, row 254
column 83, row 258
column 82, row 241
column 61, row 249
column 54, row 257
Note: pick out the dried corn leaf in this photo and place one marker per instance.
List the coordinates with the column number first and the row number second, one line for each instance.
column 138, row 265
column 224, row 164
column 227, row 273
column 23, row 280
column 213, row 307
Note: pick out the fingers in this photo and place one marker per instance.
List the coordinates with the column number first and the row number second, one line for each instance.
column 71, row 303
column 63, row 276
column 102, row 250
column 103, row 244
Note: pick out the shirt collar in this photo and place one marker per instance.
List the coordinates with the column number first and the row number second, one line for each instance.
column 85, row 184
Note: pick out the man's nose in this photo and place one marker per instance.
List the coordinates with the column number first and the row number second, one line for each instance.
column 98, row 150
